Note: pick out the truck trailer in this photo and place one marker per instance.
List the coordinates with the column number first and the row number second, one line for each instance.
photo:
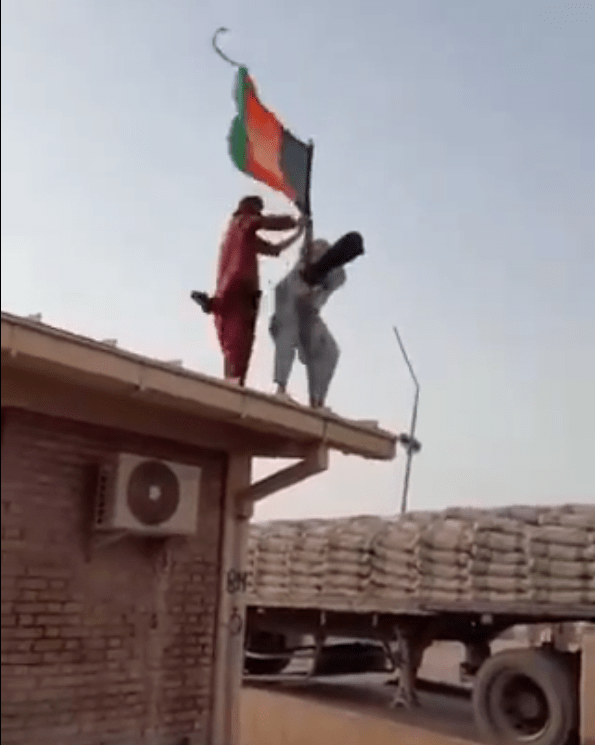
column 394, row 586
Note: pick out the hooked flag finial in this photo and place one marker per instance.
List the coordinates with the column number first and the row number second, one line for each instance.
column 220, row 30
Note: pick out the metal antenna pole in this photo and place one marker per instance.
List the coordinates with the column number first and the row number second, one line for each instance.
column 410, row 446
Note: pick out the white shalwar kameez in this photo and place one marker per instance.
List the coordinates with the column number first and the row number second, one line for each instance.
column 297, row 326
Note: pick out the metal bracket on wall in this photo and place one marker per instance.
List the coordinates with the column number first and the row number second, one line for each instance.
column 105, row 538
column 100, row 540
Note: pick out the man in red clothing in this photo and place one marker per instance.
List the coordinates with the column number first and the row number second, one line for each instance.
column 237, row 295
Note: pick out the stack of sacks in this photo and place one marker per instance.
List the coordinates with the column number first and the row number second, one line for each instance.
column 394, row 561
column 470, row 514
column 253, row 539
column 443, row 560
column 527, row 515
column 562, row 556
column 271, row 558
column 497, row 556
column 499, row 570
column 308, row 561
column 421, row 517
column 348, row 557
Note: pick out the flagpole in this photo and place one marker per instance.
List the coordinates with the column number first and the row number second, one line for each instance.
column 307, row 206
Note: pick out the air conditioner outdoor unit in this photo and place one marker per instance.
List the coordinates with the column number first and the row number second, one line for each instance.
column 148, row 496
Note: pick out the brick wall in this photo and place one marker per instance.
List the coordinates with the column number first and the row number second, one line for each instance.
column 113, row 645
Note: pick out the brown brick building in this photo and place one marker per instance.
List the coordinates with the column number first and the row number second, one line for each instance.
column 121, row 635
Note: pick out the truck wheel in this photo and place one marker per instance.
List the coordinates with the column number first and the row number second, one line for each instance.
column 525, row 696
column 265, row 644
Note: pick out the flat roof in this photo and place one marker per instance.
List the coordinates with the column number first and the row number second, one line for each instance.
column 34, row 347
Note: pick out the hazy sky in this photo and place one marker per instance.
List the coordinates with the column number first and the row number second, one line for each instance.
column 457, row 135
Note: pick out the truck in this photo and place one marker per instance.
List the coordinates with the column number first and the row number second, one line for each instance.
column 419, row 578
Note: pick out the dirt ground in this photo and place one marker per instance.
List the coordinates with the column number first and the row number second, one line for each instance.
column 440, row 712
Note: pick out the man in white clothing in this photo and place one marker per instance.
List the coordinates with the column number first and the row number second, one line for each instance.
column 296, row 325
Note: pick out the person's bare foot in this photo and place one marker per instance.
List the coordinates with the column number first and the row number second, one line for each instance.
column 202, row 299
column 284, row 396
column 320, row 408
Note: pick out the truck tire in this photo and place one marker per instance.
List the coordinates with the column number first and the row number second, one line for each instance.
column 264, row 643
column 525, row 696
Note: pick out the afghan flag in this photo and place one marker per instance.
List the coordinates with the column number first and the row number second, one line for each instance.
column 262, row 148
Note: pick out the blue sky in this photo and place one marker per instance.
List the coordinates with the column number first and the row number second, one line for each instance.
column 458, row 137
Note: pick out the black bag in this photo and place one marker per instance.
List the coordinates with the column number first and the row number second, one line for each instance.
column 346, row 249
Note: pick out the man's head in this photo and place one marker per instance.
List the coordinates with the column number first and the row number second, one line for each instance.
column 318, row 247
column 252, row 205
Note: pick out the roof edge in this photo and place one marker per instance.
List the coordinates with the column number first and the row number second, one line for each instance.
column 96, row 358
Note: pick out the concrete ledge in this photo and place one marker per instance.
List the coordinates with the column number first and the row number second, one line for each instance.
column 270, row 718
column 33, row 346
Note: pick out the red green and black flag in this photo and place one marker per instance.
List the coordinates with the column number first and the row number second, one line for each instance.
column 262, row 148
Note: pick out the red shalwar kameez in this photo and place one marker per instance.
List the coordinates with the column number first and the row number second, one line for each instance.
column 237, row 294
